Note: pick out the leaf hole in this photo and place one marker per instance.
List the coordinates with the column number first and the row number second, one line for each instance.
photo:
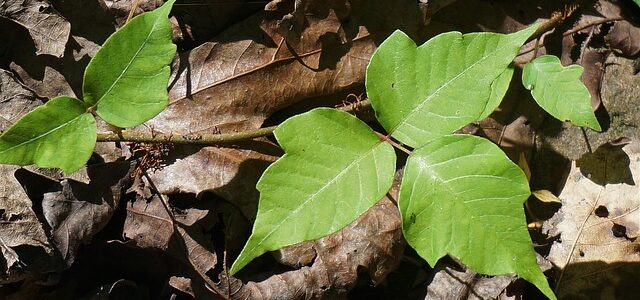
column 15, row 217
column 619, row 230
column 602, row 211
column 393, row 85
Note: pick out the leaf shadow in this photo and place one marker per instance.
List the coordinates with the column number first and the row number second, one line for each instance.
column 608, row 164
column 602, row 280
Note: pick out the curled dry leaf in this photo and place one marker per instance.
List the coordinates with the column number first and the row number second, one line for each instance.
column 598, row 228
column 47, row 28
column 77, row 211
column 374, row 241
column 452, row 283
column 624, row 38
column 20, row 228
column 149, row 226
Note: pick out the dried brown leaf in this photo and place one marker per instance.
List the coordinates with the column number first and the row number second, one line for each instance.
column 78, row 210
column 149, row 225
column 231, row 173
column 47, row 28
column 452, row 283
column 373, row 242
column 598, row 228
column 235, row 83
column 15, row 99
column 20, row 228
column 624, row 38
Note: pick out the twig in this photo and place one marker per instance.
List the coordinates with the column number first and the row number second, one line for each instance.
column 193, row 139
column 206, row 139
column 388, row 139
column 174, row 223
column 134, row 7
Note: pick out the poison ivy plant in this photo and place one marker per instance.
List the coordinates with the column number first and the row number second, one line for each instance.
column 420, row 93
column 334, row 168
column 125, row 83
column 559, row 90
column 460, row 194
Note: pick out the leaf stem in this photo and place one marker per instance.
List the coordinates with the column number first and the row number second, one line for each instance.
column 388, row 139
column 208, row 139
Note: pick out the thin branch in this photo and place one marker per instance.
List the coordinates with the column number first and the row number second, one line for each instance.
column 207, row 139
column 388, row 139
column 193, row 139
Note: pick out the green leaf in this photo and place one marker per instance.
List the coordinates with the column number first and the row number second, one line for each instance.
column 334, row 169
column 499, row 88
column 127, row 79
column 420, row 93
column 461, row 195
column 59, row 134
column 559, row 91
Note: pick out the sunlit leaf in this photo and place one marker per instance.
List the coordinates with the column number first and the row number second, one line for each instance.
column 334, row 169
column 420, row 93
column 127, row 79
column 559, row 91
column 59, row 134
column 461, row 195
column 499, row 88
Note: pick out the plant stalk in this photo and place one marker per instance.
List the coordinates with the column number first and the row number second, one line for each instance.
column 207, row 139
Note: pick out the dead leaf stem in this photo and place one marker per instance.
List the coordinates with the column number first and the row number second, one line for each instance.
column 575, row 242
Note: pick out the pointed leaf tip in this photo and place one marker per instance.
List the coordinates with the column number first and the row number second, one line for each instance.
column 461, row 195
column 127, row 78
column 334, row 169
column 422, row 92
column 559, row 91
column 58, row 134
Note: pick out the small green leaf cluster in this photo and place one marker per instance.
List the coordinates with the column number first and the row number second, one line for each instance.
column 125, row 84
column 459, row 194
